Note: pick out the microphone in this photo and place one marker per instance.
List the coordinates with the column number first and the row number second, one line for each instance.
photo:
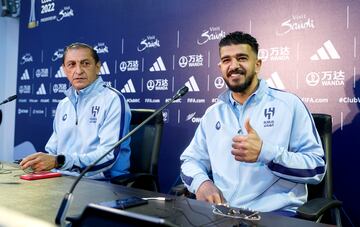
column 64, row 206
column 8, row 99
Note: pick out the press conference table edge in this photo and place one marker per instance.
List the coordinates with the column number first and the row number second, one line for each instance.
column 41, row 199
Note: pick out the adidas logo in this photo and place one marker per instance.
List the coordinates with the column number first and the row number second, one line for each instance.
column 25, row 75
column 326, row 52
column 60, row 73
column 158, row 66
column 275, row 82
column 41, row 90
column 128, row 87
column 104, row 69
column 192, row 85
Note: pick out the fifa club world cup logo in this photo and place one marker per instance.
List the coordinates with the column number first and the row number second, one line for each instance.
column 32, row 20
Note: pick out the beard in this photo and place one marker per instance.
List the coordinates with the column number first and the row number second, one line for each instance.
column 239, row 88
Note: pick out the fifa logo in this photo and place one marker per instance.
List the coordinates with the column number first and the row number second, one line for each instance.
column 269, row 112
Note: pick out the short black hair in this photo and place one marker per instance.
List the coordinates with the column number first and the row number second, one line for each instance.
column 239, row 37
column 81, row 45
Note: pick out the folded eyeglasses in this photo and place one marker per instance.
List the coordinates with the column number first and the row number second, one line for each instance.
column 232, row 212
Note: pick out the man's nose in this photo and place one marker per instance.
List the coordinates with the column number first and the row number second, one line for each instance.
column 78, row 69
column 234, row 64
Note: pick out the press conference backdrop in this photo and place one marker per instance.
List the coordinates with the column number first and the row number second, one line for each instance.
column 151, row 48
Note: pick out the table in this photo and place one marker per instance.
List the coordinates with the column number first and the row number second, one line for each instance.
column 41, row 199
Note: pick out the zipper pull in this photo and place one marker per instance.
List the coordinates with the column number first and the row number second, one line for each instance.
column 240, row 132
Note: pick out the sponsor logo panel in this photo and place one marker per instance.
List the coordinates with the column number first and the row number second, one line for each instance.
column 25, row 75
column 326, row 52
column 48, row 13
column 281, row 53
column 157, row 85
column 101, row 48
column 26, row 58
column 104, row 69
column 24, row 89
column 158, row 65
column 314, row 100
column 219, row 82
column 43, row 72
column 149, row 42
column 193, row 118
column 41, row 90
column 193, row 60
column 296, row 23
column 275, row 82
column 325, row 78
column 58, row 54
column 128, row 87
column 129, row 66
column 60, row 73
column 59, row 88
column 210, row 34
column 21, row 111
column 192, row 85
column 349, row 100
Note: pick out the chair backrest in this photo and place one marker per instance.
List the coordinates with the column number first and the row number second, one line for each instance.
column 145, row 143
column 323, row 124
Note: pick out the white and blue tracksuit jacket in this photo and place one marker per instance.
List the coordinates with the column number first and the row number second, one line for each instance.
column 88, row 124
column 291, row 155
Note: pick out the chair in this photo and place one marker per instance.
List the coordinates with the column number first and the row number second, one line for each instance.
column 321, row 207
column 145, row 147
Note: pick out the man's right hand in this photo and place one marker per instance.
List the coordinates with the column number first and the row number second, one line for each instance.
column 39, row 162
column 210, row 193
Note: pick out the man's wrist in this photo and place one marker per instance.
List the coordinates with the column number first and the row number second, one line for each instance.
column 197, row 181
column 59, row 161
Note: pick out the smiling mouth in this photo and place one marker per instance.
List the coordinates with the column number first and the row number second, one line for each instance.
column 237, row 73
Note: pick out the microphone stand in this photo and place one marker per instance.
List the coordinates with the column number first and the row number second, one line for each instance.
column 60, row 217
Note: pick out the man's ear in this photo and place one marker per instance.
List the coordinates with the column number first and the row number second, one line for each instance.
column 258, row 65
column 98, row 66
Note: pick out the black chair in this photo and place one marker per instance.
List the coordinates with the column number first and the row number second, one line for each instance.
column 321, row 206
column 145, row 147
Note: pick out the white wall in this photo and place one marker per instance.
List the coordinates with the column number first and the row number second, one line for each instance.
column 9, row 39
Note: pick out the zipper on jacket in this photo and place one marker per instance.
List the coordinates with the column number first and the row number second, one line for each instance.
column 76, row 107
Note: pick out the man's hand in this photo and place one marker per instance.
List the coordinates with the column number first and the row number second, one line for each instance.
column 39, row 162
column 210, row 193
column 247, row 148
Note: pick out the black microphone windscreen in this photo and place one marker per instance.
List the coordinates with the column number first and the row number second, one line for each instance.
column 12, row 97
column 181, row 92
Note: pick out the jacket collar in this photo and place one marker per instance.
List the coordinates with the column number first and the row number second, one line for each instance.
column 72, row 94
column 226, row 96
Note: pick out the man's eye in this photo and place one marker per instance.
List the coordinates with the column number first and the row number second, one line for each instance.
column 241, row 58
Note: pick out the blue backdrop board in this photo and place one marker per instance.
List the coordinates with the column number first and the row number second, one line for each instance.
column 151, row 48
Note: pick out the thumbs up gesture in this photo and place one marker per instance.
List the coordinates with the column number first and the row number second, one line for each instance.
column 246, row 148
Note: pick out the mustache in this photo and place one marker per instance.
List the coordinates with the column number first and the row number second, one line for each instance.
column 237, row 71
